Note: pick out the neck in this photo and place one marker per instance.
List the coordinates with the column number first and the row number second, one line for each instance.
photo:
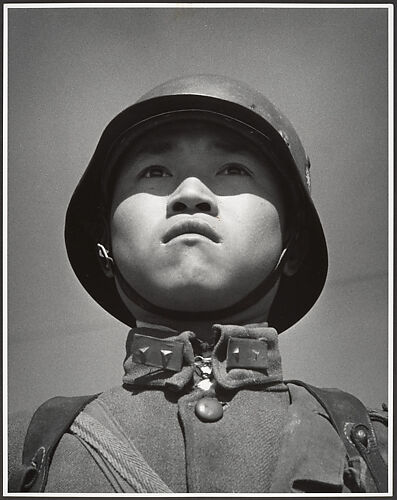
column 258, row 313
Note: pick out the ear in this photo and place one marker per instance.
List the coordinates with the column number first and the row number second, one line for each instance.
column 104, row 255
column 105, row 260
column 296, row 253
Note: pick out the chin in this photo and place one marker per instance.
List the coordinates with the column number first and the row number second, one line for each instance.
column 194, row 295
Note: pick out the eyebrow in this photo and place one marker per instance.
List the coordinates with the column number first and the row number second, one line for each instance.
column 153, row 147
column 233, row 147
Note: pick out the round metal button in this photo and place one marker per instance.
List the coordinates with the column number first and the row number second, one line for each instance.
column 209, row 409
column 360, row 433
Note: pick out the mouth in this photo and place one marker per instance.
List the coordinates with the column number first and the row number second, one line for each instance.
column 191, row 227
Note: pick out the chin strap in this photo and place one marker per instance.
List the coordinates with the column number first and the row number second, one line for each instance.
column 254, row 296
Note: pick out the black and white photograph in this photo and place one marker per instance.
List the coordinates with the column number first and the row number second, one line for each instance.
column 197, row 249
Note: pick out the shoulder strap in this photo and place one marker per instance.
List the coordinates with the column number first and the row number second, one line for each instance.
column 50, row 421
column 351, row 420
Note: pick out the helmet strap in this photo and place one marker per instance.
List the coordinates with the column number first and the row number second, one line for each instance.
column 250, row 299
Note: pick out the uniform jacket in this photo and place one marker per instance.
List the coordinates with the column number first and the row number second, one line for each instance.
column 145, row 436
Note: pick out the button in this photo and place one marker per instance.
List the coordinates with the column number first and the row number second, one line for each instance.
column 360, row 433
column 209, row 410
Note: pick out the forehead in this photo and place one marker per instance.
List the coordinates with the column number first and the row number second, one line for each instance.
column 173, row 136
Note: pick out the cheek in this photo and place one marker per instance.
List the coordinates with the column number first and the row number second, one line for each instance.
column 134, row 220
column 260, row 239
column 257, row 221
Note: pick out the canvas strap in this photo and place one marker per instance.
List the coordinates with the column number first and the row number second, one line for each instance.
column 50, row 421
column 351, row 420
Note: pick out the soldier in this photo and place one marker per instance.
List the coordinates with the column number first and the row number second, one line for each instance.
column 193, row 224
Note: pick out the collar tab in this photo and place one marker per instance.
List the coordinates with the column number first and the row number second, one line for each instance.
column 250, row 354
column 144, row 362
column 259, row 360
column 160, row 353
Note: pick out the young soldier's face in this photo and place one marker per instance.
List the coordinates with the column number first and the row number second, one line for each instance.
column 196, row 217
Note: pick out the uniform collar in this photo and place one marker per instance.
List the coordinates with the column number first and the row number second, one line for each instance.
column 243, row 356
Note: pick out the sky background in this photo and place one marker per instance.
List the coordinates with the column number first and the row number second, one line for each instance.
column 72, row 70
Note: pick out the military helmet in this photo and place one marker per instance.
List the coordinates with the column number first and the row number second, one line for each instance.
column 237, row 105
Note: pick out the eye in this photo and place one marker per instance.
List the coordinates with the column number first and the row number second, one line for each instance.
column 234, row 169
column 155, row 171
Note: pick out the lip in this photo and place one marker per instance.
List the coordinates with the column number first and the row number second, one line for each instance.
column 191, row 227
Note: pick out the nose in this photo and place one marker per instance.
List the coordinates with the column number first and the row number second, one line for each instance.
column 192, row 196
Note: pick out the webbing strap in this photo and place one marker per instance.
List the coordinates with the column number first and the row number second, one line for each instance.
column 50, row 421
column 123, row 456
column 351, row 420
